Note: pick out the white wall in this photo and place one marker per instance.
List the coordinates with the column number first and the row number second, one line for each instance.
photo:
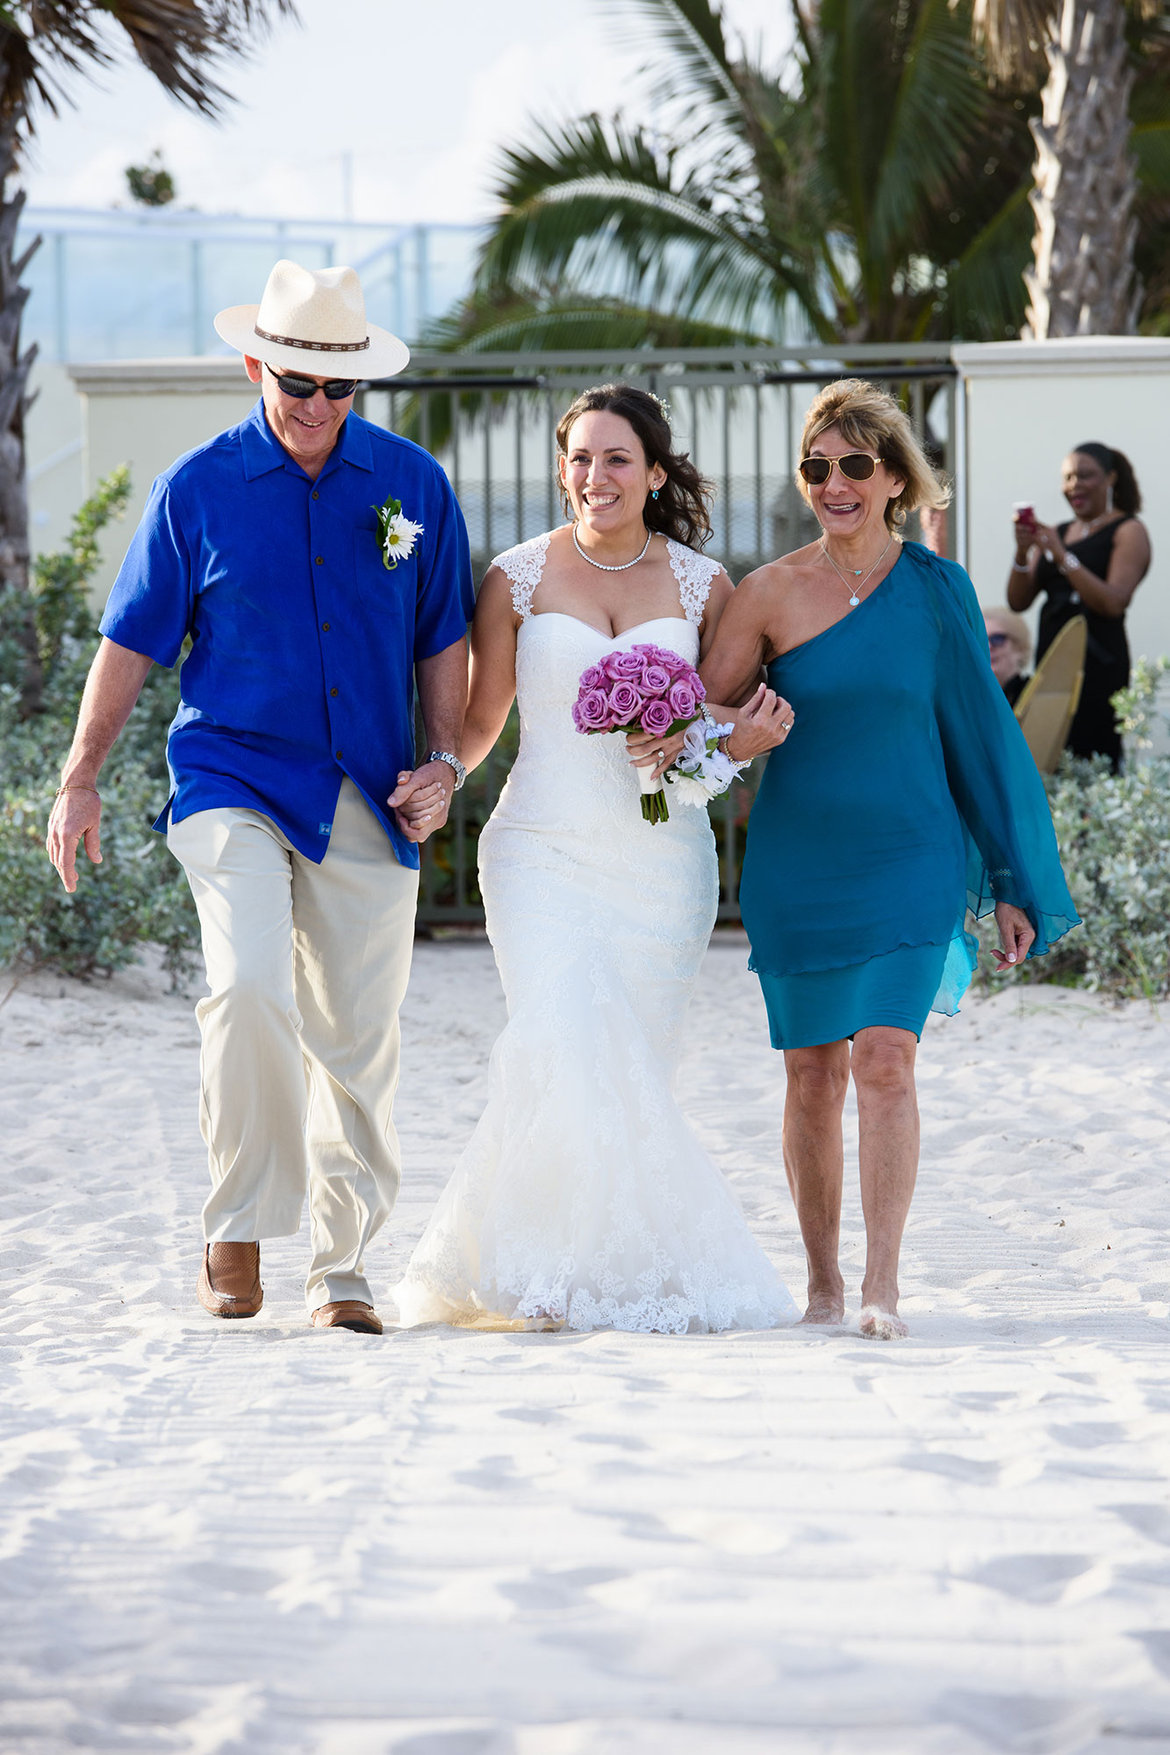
column 1027, row 404
column 146, row 413
column 53, row 451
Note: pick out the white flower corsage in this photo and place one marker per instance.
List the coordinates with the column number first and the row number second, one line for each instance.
column 701, row 770
column 397, row 535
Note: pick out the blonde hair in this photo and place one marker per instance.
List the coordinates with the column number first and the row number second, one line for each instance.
column 1014, row 626
column 871, row 420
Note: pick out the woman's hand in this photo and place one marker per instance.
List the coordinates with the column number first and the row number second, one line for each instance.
column 1015, row 935
column 655, row 753
column 761, row 724
column 1047, row 539
column 1026, row 532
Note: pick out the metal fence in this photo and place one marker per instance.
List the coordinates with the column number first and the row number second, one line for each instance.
column 490, row 420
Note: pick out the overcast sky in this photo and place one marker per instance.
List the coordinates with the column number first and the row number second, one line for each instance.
column 409, row 99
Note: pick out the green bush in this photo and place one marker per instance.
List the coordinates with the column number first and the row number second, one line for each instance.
column 1114, row 835
column 138, row 894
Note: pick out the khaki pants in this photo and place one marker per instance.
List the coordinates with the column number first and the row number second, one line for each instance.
column 307, row 966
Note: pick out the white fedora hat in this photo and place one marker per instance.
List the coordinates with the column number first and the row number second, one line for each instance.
column 313, row 322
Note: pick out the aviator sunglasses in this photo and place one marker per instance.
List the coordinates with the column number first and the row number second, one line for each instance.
column 336, row 390
column 854, row 466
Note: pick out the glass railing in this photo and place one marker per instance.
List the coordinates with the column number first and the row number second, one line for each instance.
column 145, row 284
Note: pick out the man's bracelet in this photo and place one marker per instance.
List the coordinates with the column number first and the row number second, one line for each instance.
column 72, row 788
column 452, row 761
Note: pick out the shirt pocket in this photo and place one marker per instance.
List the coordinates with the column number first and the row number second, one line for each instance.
column 387, row 594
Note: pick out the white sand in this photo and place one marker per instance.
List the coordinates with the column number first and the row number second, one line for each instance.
column 254, row 1537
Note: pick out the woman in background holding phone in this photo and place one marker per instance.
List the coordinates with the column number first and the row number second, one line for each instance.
column 1091, row 566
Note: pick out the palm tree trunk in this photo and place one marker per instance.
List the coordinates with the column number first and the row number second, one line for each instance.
column 14, row 400
column 1083, row 279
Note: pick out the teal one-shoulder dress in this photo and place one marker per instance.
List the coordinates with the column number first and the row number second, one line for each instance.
column 904, row 797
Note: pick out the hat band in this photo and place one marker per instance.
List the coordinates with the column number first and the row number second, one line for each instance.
column 313, row 346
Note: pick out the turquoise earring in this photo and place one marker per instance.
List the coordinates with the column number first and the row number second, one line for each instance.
column 653, row 493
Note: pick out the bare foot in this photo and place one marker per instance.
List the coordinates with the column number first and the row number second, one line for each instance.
column 825, row 1307
column 882, row 1325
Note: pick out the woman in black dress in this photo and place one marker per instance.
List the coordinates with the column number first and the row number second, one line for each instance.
column 1089, row 566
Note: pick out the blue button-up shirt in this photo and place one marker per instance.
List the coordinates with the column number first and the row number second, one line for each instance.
column 303, row 644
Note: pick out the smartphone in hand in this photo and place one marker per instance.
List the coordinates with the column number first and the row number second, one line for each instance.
column 1024, row 512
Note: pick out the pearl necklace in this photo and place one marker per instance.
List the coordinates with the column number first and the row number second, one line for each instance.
column 854, row 599
column 604, row 565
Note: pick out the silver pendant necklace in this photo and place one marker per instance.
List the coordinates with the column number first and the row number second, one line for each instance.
column 854, row 599
column 604, row 566
column 1090, row 525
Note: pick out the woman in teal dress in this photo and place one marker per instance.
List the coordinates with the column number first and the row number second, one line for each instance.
column 904, row 797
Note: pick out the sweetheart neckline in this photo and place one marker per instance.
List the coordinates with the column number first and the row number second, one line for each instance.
column 567, row 616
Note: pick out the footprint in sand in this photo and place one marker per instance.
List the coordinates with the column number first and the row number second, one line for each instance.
column 551, row 1592
column 1008, row 1723
column 1032, row 1578
column 1152, row 1521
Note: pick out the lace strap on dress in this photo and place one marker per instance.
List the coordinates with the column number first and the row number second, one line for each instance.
column 694, row 573
column 524, row 566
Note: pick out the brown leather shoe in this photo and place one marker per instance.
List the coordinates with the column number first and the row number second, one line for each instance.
column 229, row 1280
column 363, row 1319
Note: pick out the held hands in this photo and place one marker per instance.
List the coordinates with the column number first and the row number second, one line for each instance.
column 422, row 798
column 1015, row 935
column 76, row 817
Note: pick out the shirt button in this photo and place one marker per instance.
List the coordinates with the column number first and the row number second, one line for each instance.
column 324, row 627
column 337, row 753
column 320, row 560
column 333, row 691
column 316, row 495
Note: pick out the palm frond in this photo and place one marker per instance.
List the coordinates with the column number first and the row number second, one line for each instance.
column 689, row 57
column 44, row 43
column 599, row 200
column 1151, row 146
column 984, row 298
column 1014, row 33
column 541, row 320
column 937, row 113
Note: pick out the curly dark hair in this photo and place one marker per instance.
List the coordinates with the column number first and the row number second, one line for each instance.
column 681, row 510
column 1127, row 495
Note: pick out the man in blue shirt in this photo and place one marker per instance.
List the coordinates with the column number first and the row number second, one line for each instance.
column 319, row 567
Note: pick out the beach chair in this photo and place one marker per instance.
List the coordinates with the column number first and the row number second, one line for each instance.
column 1047, row 704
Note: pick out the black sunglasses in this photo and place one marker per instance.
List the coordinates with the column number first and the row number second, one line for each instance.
column 336, row 390
column 855, row 466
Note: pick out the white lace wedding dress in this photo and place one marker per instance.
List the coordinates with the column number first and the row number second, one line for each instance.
column 583, row 1198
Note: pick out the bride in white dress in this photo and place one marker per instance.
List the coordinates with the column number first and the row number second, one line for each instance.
column 583, row 1198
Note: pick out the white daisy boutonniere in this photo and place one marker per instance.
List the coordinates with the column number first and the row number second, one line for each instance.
column 397, row 535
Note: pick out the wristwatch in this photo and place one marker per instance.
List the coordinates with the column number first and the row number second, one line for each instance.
column 452, row 762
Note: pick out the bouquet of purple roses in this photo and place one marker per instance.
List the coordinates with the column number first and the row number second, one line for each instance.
column 647, row 687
